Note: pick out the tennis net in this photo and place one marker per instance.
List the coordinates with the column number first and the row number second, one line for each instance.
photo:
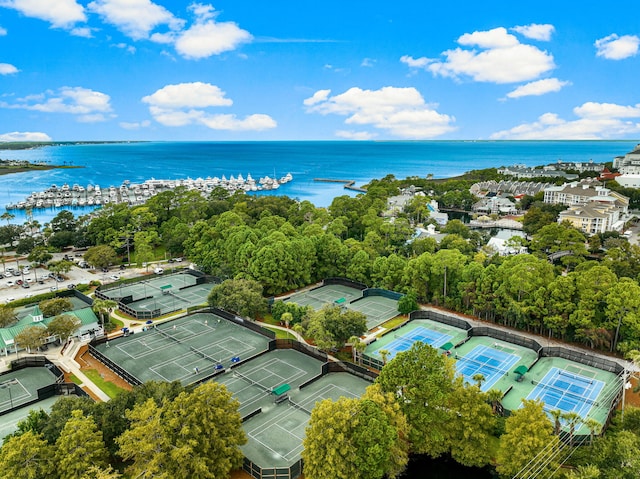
column 252, row 382
column 298, row 406
column 318, row 298
column 562, row 372
column 167, row 335
column 564, row 392
column 171, row 293
column 481, row 365
column 204, row 356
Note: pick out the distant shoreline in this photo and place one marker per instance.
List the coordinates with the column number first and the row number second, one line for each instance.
column 7, row 168
column 30, row 145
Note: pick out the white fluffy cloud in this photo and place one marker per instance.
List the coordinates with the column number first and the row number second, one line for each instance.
column 135, row 18
column 539, row 87
column 3, row 32
column 136, row 125
column 60, row 13
column 88, row 105
column 7, row 69
column 536, row 31
column 402, row 112
column 186, row 104
column 614, row 47
column 355, row 135
column 24, row 136
column 498, row 57
column 206, row 37
column 595, row 121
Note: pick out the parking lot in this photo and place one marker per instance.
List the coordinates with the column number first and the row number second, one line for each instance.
column 40, row 281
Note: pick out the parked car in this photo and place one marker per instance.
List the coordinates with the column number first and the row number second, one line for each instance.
column 8, row 274
column 25, row 285
column 71, row 286
column 158, row 271
column 114, row 277
column 29, row 280
column 10, row 283
column 19, row 282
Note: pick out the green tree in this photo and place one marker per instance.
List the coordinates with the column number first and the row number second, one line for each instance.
column 79, row 447
column 35, row 422
column 471, row 426
column 422, row 381
column 528, row 432
column 584, row 472
column 27, row 456
column 7, row 316
column 408, row 303
column 241, row 296
column 331, row 327
column 61, row 412
column 348, row 438
column 101, row 256
column 63, row 326
column 203, row 425
column 31, row 338
column 103, row 307
column 55, row 306
column 39, row 255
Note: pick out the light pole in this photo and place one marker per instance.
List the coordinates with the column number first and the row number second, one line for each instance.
column 7, row 385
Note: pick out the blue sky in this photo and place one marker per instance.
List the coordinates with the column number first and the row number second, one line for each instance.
column 330, row 70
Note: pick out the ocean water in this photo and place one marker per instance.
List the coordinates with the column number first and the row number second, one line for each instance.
column 112, row 163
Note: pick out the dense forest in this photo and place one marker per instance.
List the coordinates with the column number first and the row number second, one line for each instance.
column 590, row 296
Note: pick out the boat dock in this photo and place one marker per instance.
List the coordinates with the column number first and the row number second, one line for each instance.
column 348, row 184
column 138, row 193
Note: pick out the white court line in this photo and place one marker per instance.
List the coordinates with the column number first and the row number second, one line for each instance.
column 20, row 397
column 287, row 456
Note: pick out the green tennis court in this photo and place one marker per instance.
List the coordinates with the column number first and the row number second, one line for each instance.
column 378, row 309
column 185, row 350
column 153, row 286
column 276, row 434
column 9, row 423
column 252, row 383
column 329, row 294
column 168, row 299
column 595, row 403
column 21, row 386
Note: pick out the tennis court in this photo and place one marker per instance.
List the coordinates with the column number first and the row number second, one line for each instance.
column 496, row 360
column 329, row 294
column 9, row 423
column 491, row 362
column 378, row 309
column 276, row 435
column 568, row 391
column 252, row 383
column 168, row 300
column 425, row 330
column 567, row 386
column 21, row 386
column 185, row 350
column 149, row 287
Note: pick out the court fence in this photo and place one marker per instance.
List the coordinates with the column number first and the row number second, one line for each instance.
column 303, row 348
column 344, row 282
column 58, row 388
column 441, row 318
column 291, row 472
column 385, row 293
column 507, row 336
column 583, row 357
column 130, row 378
column 247, row 323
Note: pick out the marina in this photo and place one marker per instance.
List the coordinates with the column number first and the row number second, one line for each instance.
column 137, row 193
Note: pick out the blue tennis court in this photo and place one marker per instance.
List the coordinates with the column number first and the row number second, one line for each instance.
column 491, row 363
column 567, row 391
column 428, row 336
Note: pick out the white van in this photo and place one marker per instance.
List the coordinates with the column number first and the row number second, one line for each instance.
column 158, row 271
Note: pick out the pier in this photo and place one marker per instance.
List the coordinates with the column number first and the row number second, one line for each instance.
column 348, row 184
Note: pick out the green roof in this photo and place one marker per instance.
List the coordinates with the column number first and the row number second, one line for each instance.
column 521, row 370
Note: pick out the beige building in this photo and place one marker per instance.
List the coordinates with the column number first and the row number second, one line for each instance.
column 592, row 210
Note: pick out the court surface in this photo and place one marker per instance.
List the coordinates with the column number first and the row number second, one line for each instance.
column 491, row 362
column 424, row 330
column 185, row 350
column 568, row 391
column 378, row 309
column 21, row 386
column 329, row 294
column 276, row 435
column 9, row 422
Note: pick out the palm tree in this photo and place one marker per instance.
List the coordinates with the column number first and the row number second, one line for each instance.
column 572, row 420
column 357, row 347
column 594, row 428
column 494, row 396
column 384, row 354
column 102, row 306
column 557, row 425
column 7, row 216
column 479, row 379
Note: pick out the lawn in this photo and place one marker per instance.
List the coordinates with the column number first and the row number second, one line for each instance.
column 108, row 388
column 280, row 334
column 75, row 379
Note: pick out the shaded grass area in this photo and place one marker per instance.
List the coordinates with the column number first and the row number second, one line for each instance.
column 107, row 387
column 280, row 334
column 75, row 379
